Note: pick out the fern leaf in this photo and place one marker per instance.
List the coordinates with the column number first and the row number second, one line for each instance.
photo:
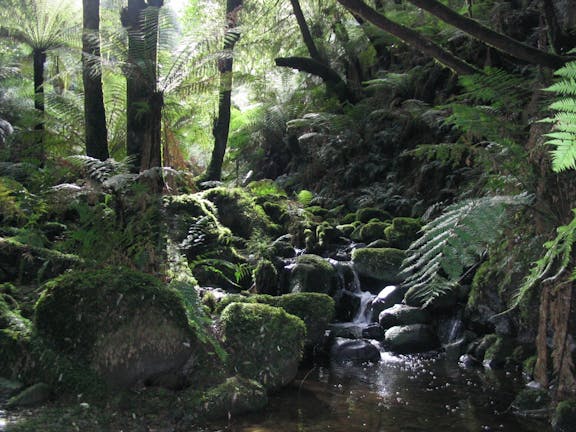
column 454, row 242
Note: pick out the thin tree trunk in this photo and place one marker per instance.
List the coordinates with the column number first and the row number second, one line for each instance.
column 94, row 111
column 410, row 37
column 39, row 62
column 497, row 40
column 221, row 128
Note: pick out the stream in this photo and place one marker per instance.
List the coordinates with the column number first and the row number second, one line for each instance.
column 400, row 394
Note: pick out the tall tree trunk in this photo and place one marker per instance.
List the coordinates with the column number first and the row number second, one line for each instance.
column 143, row 141
column 39, row 56
column 94, row 111
column 497, row 40
column 221, row 127
column 410, row 37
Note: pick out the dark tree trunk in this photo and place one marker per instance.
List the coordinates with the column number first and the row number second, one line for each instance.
column 305, row 31
column 94, row 111
column 39, row 62
column 410, row 37
column 143, row 141
column 497, row 40
column 221, row 127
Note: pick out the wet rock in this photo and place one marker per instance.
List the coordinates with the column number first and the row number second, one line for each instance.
column 9, row 388
column 401, row 315
column 354, row 351
column 32, row 396
column 498, row 354
column 468, row 361
column 403, row 232
column 411, row 339
column 386, row 298
column 346, row 330
column 373, row 331
column 450, row 330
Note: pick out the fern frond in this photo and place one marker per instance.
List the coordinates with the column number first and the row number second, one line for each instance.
column 556, row 259
column 453, row 242
column 563, row 137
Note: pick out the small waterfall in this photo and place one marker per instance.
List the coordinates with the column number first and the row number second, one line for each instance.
column 362, row 317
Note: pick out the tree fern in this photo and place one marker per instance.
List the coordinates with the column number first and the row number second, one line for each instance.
column 454, row 242
column 563, row 136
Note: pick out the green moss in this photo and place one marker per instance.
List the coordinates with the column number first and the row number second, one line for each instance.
column 379, row 263
column 15, row 334
column 366, row 214
column 264, row 342
column 79, row 305
column 348, row 219
column 305, row 197
column 529, row 401
column 528, row 365
column 238, row 211
column 317, row 211
column 403, row 232
column 499, row 352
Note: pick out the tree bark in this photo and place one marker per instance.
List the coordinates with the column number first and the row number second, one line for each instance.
column 39, row 56
column 497, row 40
column 221, row 127
column 314, row 67
column 94, row 111
column 410, row 37
column 143, row 141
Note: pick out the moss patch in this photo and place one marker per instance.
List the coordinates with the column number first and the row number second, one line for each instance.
column 366, row 214
column 379, row 263
column 312, row 273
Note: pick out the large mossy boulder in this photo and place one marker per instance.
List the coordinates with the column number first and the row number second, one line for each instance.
column 239, row 212
column 125, row 325
column 382, row 264
column 312, row 273
column 367, row 214
column 372, row 231
column 264, row 343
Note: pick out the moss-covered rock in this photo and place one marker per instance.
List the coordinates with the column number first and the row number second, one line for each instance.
column 531, row 402
column 264, row 342
column 366, row 214
column 373, row 231
column 238, row 211
column 564, row 419
column 32, row 396
column 402, row 315
column 402, row 232
column 499, row 352
column 382, row 264
column 235, row 396
column 315, row 309
column 126, row 325
column 312, row 273
column 265, row 278
column 346, row 229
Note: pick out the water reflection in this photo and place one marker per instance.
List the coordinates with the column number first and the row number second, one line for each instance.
column 401, row 394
